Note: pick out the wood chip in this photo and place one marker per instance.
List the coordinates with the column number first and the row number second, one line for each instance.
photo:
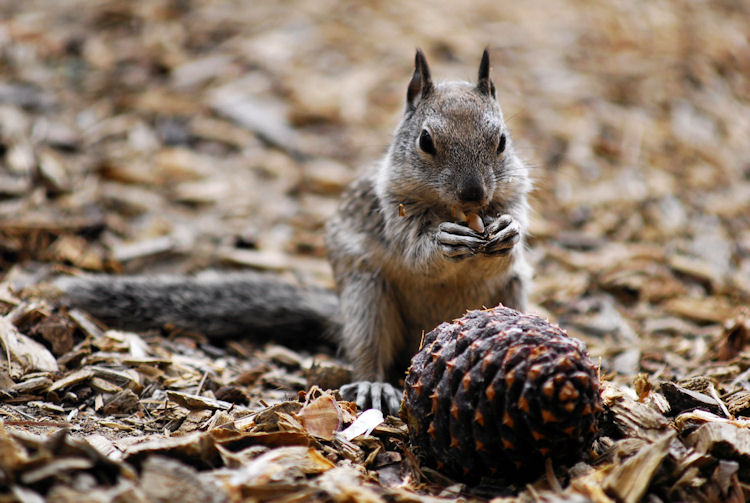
column 198, row 140
column 167, row 479
column 279, row 464
column 630, row 480
column 722, row 440
column 24, row 351
column 682, row 399
column 197, row 402
column 32, row 385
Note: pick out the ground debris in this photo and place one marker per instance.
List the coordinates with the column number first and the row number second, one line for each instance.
column 172, row 137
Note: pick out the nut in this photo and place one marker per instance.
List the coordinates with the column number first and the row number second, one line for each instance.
column 475, row 222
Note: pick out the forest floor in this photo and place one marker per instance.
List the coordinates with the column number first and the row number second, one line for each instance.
column 178, row 136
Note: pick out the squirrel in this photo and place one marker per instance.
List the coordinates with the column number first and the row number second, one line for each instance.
column 402, row 258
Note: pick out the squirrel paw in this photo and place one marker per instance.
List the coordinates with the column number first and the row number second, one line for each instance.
column 376, row 395
column 504, row 233
column 457, row 241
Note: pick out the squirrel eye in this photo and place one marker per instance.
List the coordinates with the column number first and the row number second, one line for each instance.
column 425, row 142
column 501, row 145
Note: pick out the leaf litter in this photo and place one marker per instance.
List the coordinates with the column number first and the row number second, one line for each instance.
column 162, row 136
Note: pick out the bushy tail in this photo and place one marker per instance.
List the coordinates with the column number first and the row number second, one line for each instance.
column 215, row 304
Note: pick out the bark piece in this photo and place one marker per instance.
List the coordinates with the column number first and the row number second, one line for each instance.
column 167, row 480
column 23, row 350
column 683, row 399
column 629, row 481
column 722, row 440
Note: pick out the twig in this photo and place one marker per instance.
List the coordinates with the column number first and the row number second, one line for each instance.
column 715, row 396
column 200, row 385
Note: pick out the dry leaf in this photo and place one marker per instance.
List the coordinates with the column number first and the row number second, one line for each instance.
column 321, row 417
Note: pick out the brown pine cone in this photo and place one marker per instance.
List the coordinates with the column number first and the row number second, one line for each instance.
column 496, row 392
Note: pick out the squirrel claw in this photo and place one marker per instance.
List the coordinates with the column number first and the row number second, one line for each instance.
column 497, row 225
column 457, row 241
column 376, row 395
column 504, row 239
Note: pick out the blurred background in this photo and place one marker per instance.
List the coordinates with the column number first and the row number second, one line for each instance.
column 144, row 136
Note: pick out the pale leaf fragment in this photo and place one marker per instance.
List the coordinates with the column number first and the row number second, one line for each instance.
column 25, row 351
column 365, row 423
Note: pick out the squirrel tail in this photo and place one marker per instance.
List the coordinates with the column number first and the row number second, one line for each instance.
column 215, row 304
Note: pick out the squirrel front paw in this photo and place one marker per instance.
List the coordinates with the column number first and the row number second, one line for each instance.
column 373, row 395
column 458, row 241
column 502, row 235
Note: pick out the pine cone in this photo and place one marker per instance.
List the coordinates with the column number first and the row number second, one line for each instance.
column 496, row 392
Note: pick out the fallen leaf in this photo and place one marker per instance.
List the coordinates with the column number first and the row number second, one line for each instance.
column 321, row 417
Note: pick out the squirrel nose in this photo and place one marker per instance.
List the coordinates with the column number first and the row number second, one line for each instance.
column 472, row 192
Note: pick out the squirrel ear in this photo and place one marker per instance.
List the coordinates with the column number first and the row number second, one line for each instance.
column 484, row 83
column 421, row 82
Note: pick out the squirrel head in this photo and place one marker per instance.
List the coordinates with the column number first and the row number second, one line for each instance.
column 452, row 145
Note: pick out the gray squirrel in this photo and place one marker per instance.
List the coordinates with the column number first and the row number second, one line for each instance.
column 437, row 229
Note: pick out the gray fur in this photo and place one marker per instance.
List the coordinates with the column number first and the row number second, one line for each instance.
column 397, row 274
column 400, row 275
column 215, row 304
